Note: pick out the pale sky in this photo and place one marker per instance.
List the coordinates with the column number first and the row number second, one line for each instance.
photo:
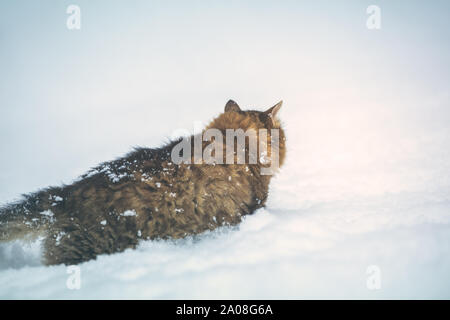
column 138, row 70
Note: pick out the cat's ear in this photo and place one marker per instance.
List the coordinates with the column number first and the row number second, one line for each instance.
column 232, row 106
column 272, row 112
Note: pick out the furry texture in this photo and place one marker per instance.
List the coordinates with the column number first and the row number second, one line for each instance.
column 143, row 195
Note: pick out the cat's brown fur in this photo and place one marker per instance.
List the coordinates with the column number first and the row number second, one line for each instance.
column 143, row 195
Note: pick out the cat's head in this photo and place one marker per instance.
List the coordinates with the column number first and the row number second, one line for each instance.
column 235, row 118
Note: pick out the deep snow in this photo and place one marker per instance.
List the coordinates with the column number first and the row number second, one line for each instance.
column 326, row 222
column 367, row 177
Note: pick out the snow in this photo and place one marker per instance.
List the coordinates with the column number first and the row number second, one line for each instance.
column 47, row 213
column 129, row 213
column 366, row 182
column 318, row 236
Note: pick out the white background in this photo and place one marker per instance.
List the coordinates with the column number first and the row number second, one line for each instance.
column 366, row 112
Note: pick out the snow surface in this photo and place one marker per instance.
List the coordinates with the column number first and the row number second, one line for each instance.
column 326, row 222
column 367, row 176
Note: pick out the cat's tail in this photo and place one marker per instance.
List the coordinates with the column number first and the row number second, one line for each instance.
column 26, row 219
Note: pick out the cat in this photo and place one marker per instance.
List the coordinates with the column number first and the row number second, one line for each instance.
column 145, row 196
